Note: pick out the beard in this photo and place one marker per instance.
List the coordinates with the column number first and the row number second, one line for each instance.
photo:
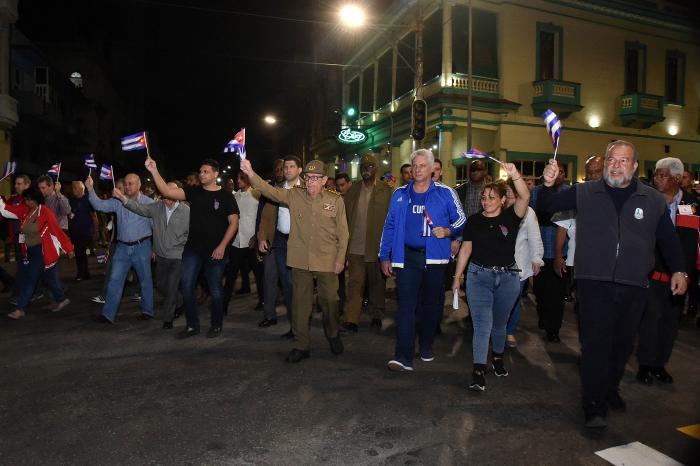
column 616, row 183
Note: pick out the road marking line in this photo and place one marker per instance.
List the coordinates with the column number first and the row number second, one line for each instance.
column 692, row 430
column 636, row 454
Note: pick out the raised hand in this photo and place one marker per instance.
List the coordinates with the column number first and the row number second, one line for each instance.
column 551, row 171
column 116, row 192
column 89, row 184
column 511, row 170
column 150, row 164
column 246, row 167
column 57, row 187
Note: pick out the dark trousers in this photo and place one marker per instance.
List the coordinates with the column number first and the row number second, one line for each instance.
column 168, row 283
column 418, row 302
column 610, row 314
column 242, row 260
column 213, row 270
column 81, row 244
column 549, row 290
column 659, row 327
column 7, row 280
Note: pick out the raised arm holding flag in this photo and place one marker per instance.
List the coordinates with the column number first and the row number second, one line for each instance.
column 551, row 121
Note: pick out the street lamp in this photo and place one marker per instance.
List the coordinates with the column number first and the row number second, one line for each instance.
column 270, row 120
column 351, row 15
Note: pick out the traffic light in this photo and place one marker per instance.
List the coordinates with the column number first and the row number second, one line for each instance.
column 418, row 119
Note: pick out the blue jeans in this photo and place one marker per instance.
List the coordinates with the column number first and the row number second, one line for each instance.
column 514, row 318
column 125, row 257
column 418, row 301
column 491, row 295
column 34, row 271
column 192, row 263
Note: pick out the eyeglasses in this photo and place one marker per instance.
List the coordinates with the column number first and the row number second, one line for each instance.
column 662, row 175
column 313, row 178
column 621, row 162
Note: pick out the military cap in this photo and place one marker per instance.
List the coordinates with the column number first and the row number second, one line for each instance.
column 316, row 167
column 368, row 159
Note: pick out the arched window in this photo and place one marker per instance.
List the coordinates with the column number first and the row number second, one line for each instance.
column 77, row 79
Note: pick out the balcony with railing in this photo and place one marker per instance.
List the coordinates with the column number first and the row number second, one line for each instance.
column 481, row 86
column 641, row 111
column 563, row 97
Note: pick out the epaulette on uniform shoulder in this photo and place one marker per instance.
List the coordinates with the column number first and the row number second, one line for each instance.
column 332, row 191
column 299, row 186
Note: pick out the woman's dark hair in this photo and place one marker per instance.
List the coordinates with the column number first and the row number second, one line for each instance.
column 498, row 187
column 32, row 193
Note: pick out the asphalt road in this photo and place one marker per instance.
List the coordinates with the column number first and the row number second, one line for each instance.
column 76, row 392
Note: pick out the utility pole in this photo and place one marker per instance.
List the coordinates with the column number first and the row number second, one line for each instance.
column 418, row 83
column 470, row 82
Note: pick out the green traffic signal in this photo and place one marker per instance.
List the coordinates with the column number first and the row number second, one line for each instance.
column 350, row 112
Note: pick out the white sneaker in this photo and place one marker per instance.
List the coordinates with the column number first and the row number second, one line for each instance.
column 98, row 299
column 16, row 314
column 61, row 305
column 397, row 366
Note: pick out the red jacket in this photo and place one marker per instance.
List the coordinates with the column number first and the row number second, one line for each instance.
column 53, row 239
column 14, row 200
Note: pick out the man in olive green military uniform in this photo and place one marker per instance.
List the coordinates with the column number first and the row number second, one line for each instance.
column 318, row 241
column 367, row 204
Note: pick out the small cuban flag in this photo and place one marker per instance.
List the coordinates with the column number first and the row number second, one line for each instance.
column 475, row 153
column 9, row 169
column 102, row 257
column 106, row 172
column 237, row 144
column 55, row 169
column 136, row 141
column 551, row 121
column 90, row 161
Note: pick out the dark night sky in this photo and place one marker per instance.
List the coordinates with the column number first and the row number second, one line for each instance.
column 207, row 73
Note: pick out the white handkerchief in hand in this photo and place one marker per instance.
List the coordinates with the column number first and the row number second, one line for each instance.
column 455, row 300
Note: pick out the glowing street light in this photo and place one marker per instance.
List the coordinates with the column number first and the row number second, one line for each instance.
column 270, row 120
column 351, row 15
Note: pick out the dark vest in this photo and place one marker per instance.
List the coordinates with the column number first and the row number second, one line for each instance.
column 614, row 248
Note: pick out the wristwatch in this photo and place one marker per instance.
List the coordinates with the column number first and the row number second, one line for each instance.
column 685, row 275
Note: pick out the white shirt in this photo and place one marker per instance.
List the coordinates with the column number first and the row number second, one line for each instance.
column 284, row 220
column 528, row 245
column 570, row 225
column 248, row 207
column 169, row 212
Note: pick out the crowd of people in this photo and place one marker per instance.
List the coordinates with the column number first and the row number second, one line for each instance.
column 623, row 249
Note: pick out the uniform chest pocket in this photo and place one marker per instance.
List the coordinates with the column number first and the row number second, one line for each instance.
column 329, row 210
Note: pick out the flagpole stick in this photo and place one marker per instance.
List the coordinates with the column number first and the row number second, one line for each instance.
column 496, row 160
column 89, row 171
column 555, row 151
column 145, row 139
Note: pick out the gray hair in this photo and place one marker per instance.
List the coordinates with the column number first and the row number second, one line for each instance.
column 620, row 142
column 425, row 153
column 674, row 165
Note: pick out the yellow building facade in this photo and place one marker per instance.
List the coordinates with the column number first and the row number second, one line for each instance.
column 8, row 105
column 609, row 72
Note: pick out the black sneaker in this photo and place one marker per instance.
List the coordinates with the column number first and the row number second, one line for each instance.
column 349, row 327
column 553, row 337
column 661, row 375
column 376, row 323
column 478, row 381
column 498, row 368
column 167, row 325
column 336, row 345
column 644, row 375
column 214, row 332
column 594, row 415
column 187, row 332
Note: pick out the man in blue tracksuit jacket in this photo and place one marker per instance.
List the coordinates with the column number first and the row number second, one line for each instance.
column 423, row 217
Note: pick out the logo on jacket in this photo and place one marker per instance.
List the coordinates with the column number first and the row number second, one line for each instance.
column 638, row 213
column 504, row 229
column 216, row 204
